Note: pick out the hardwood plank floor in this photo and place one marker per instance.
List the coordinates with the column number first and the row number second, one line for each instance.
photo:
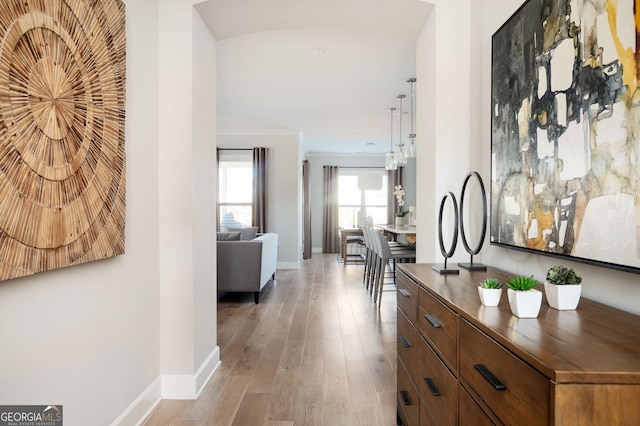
column 315, row 351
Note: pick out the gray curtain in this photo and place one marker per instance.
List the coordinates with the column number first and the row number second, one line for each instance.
column 306, row 210
column 330, row 236
column 260, row 161
column 218, row 190
column 394, row 177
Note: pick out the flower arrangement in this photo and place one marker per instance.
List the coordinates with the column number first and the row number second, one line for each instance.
column 399, row 193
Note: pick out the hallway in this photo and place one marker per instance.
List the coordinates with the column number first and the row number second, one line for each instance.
column 315, row 351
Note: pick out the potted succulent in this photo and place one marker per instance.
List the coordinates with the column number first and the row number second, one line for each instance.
column 524, row 299
column 563, row 288
column 490, row 291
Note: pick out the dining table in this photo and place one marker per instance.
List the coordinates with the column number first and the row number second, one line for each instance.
column 401, row 234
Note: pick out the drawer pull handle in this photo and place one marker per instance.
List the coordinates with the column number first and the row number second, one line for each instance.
column 432, row 386
column 404, row 292
column 405, row 342
column 489, row 377
column 405, row 397
column 434, row 322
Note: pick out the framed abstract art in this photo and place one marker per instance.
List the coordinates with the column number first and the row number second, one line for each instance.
column 565, row 134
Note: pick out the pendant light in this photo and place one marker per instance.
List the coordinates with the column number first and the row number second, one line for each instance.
column 411, row 149
column 401, row 157
column 390, row 158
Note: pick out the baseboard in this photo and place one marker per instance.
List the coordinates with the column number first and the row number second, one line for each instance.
column 316, row 250
column 288, row 265
column 189, row 386
column 169, row 386
column 141, row 407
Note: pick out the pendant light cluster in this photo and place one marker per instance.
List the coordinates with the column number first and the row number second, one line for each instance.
column 399, row 158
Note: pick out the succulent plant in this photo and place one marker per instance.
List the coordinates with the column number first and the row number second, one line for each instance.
column 561, row 275
column 491, row 283
column 522, row 283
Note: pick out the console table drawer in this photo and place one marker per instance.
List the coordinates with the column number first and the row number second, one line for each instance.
column 408, row 345
column 408, row 401
column 437, row 388
column 513, row 390
column 439, row 325
column 470, row 413
column 407, row 296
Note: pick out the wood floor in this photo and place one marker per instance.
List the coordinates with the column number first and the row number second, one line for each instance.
column 315, row 351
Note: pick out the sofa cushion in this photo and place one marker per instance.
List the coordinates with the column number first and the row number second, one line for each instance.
column 228, row 236
column 246, row 233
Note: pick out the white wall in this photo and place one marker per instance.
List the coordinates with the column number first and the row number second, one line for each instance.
column 444, row 119
column 87, row 336
column 619, row 289
column 285, row 180
column 186, row 169
column 205, row 182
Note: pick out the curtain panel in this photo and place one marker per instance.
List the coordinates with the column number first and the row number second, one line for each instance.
column 330, row 237
column 306, row 210
column 260, row 175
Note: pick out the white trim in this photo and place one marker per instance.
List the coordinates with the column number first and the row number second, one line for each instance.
column 141, row 407
column 288, row 265
column 206, row 370
column 316, row 250
column 189, row 386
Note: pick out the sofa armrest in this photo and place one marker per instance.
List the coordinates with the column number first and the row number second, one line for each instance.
column 269, row 256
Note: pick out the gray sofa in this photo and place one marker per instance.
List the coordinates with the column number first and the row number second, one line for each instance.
column 247, row 266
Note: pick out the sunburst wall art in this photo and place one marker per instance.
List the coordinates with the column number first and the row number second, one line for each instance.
column 566, row 131
column 62, row 115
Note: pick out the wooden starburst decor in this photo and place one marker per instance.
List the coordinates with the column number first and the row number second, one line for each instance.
column 62, row 117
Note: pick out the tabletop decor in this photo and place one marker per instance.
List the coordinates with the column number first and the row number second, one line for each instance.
column 490, row 290
column 483, row 228
column 566, row 132
column 563, row 288
column 62, row 153
column 524, row 299
column 444, row 268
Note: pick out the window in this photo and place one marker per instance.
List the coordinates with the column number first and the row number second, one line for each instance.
column 235, row 193
column 362, row 197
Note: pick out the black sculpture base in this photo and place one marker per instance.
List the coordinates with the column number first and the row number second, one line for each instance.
column 443, row 269
column 473, row 266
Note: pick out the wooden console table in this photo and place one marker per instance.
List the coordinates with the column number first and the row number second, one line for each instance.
column 462, row 363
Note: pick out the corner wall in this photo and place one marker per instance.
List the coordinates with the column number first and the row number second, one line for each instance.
column 187, row 280
column 444, row 119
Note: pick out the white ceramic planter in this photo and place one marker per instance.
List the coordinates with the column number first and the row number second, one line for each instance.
column 525, row 304
column 399, row 222
column 563, row 297
column 489, row 296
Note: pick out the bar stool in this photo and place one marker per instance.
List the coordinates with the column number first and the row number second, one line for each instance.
column 386, row 256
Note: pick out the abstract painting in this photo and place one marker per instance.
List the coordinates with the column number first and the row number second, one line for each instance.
column 62, row 116
column 566, row 131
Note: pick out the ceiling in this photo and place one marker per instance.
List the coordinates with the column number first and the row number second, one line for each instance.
column 328, row 70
